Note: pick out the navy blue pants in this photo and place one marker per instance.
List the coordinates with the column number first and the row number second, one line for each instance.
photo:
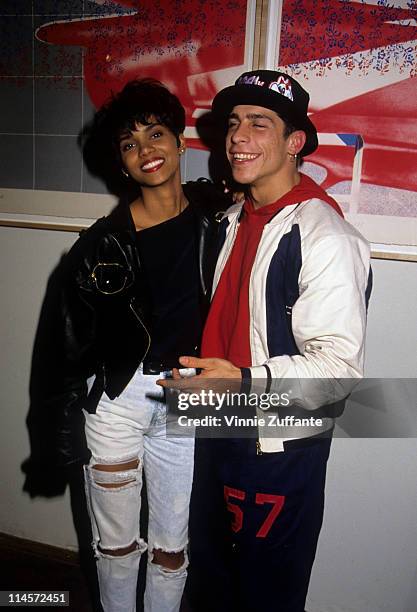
column 254, row 525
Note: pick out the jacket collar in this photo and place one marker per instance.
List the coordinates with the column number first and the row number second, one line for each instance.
column 120, row 219
column 202, row 196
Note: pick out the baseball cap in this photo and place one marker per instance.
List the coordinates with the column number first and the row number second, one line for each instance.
column 274, row 90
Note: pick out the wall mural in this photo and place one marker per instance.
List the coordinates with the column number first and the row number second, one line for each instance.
column 358, row 60
column 183, row 43
column 61, row 59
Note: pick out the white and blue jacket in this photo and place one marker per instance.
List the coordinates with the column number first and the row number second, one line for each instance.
column 308, row 294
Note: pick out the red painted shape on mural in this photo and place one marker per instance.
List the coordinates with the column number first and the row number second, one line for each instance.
column 169, row 42
column 386, row 118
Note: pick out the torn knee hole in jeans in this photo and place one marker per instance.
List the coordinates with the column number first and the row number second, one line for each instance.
column 168, row 561
column 121, row 552
column 115, row 475
column 106, row 466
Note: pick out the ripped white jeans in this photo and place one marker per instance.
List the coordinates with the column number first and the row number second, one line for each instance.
column 133, row 426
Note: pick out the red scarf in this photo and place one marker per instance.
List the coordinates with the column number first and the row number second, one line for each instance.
column 226, row 333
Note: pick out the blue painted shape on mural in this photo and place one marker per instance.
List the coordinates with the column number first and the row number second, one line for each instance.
column 349, row 139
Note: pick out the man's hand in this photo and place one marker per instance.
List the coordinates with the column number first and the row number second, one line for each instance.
column 211, row 367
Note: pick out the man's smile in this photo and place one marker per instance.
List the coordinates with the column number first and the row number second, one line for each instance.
column 243, row 157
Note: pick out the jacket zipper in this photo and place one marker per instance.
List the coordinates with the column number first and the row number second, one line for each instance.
column 143, row 325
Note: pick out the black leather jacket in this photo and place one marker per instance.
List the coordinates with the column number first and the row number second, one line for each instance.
column 91, row 332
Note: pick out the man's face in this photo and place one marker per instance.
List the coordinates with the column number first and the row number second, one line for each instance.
column 150, row 154
column 255, row 145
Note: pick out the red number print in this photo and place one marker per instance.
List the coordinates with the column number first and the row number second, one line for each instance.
column 233, row 508
column 278, row 502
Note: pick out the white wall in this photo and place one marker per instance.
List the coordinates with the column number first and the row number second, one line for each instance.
column 28, row 257
column 366, row 560
column 367, row 554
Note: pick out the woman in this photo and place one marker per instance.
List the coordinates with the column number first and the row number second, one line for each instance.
column 133, row 301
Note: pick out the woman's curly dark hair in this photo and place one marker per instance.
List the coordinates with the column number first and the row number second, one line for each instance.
column 138, row 102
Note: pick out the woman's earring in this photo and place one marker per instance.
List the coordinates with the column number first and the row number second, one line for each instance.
column 181, row 150
column 293, row 157
column 126, row 174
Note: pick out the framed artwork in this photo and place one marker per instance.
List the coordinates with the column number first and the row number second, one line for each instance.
column 358, row 61
column 61, row 59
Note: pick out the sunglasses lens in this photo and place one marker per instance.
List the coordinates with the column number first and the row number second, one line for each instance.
column 110, row 278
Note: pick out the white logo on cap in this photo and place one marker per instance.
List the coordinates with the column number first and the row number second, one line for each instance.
column 283, row 87
column 250, row 80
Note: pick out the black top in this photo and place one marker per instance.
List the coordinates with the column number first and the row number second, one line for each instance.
column 168, row 253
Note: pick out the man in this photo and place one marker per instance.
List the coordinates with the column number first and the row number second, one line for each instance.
column 289, row 301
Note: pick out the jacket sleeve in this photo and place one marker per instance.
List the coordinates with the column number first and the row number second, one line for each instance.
column 329, row 316
column 63, row 357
